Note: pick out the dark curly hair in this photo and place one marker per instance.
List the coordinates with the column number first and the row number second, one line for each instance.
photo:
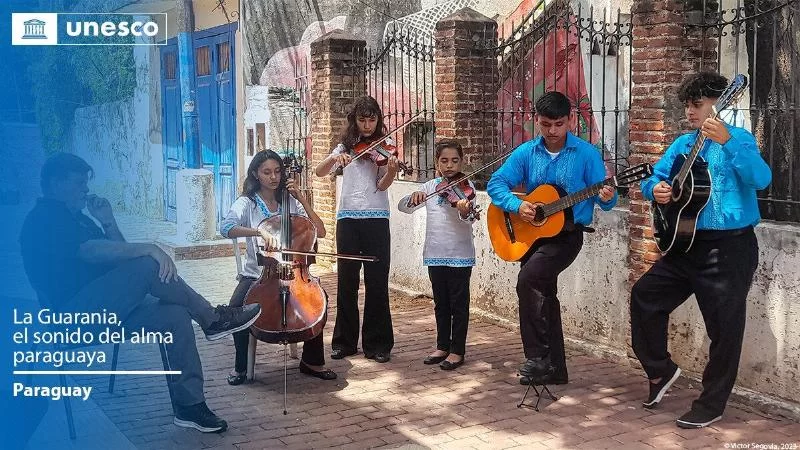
column 703, row 84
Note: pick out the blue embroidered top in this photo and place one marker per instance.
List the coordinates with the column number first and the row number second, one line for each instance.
column 577, row 165
column 737, row 171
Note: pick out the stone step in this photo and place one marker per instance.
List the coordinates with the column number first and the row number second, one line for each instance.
column 214, row 248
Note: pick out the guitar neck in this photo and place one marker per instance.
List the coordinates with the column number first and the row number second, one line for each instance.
column 571, row 200
column 692, row 156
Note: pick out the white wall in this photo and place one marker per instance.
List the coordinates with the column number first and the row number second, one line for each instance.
column 594, row 295
column 115, row 139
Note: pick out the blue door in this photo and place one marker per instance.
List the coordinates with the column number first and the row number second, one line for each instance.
column 216, row 109
column 174, row 158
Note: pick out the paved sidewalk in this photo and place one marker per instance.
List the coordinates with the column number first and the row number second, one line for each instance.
column 407, row 404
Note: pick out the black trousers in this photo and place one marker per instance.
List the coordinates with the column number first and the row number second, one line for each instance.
column 365, row 237
column 313, row 351
column 451, row 299
column 719, row 272
column 537, row 289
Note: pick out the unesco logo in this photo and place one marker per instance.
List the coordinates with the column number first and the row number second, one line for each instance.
column 34, row 29
column 87, row 29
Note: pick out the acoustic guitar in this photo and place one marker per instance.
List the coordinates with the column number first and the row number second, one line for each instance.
column 675, row 223
column 512, row 236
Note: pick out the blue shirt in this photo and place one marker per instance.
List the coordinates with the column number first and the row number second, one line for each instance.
column 737, row 172
column 577, row 166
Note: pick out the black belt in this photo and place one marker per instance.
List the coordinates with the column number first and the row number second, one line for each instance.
column 713, row 235
column 570, row 227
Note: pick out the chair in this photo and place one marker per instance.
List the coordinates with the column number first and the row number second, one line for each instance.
column 58, row 347
column 253, row 342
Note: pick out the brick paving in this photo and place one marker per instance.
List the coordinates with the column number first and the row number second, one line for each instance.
column 405, row 404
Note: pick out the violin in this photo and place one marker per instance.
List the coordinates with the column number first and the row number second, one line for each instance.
column 457, row 188
column 459, row 179
column 379, row 151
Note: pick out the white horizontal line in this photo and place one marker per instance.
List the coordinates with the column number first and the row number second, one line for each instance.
column 97, row 372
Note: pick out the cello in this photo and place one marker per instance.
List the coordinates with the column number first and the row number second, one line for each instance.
column 294, row 306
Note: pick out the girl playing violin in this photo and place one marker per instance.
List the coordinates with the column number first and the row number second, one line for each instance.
column 449, row 254
column 362, row 226
column 261, row 199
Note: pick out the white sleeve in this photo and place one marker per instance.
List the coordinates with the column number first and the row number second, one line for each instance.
column 338, row 150
column 429, row 186
column 236, row 216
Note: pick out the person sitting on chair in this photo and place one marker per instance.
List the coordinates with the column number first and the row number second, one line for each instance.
column 76, row 266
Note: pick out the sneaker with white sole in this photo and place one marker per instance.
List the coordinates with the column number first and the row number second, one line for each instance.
column 232, row 319
column 697, row 419
column 200, row 418
column 657, row 390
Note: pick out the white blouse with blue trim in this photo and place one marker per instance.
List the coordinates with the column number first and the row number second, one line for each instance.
column 245, row 212
column 448, row 237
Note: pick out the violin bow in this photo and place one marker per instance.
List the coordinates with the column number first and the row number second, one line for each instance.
column 464, row 177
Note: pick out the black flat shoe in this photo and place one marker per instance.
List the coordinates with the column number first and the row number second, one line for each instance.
column 235, row 380
column 326, row 374
column 435, row 359
column 379, row 357
column 447, row 365
column 338, row 353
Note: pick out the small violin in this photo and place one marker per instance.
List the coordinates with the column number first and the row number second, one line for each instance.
column 405, row 203
column 458, row 190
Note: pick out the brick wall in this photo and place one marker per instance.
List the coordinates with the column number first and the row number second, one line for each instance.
column 464, row 76
column 333, row 90
column 664, row 52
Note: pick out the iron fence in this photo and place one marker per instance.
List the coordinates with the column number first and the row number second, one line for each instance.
column 399, row 76
column 299, row 144
column 581, row 53
column 761, row 39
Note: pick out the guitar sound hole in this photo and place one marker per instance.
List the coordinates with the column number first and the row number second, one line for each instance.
column 539, row 217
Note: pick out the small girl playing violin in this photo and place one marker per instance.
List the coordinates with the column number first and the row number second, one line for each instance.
column 362, row 227
column 260, row 200
column 449, row 254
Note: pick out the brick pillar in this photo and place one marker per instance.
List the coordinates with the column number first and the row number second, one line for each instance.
column 334, row 87
column 665, row 51
column 464, row 72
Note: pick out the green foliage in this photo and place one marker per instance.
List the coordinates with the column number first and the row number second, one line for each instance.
column 66, row 78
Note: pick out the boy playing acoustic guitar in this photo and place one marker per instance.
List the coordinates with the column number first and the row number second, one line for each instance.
column 556, row 157
column 718, row 266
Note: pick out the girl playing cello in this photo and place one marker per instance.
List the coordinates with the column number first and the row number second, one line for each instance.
column 261, row 199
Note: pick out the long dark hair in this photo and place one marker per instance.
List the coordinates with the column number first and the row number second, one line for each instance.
column 364, row 107
column 251, row 184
